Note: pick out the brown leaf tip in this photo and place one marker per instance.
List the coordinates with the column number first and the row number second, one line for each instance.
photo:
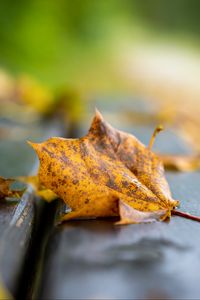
column 98, row 115
column 35, row 146
column 97, row 124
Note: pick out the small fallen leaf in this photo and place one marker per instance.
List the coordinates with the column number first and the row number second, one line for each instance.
column 34, row 95
column 4, row 293
column 5, row 190
column 103, row 172
column 183, row 163
column 38, row 188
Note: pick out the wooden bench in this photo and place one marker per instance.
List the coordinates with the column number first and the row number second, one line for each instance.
column 95, row 259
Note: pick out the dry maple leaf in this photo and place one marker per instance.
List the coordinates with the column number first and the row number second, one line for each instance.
column 106, row 173
column 5, row 190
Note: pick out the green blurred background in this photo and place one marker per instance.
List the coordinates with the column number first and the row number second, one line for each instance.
column 84, row 42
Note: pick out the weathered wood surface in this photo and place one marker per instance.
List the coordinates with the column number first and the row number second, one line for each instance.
column 18, row 218
column 97, row 260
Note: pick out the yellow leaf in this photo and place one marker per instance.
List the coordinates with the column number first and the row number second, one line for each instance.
column 183, row 163
column 4, row 293
column 40, row 190
column 92, row 173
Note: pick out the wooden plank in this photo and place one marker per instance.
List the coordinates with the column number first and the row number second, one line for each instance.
column 95, row 259
column 15, row 241
column 19, row 219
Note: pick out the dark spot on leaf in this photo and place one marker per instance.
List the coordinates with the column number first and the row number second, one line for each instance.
column 75, row 181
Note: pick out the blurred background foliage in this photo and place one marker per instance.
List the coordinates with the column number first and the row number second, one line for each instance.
column 80, row 42
column 57, row 56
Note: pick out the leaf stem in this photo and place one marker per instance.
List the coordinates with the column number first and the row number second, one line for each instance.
column 185, row 215
column 156, row 131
